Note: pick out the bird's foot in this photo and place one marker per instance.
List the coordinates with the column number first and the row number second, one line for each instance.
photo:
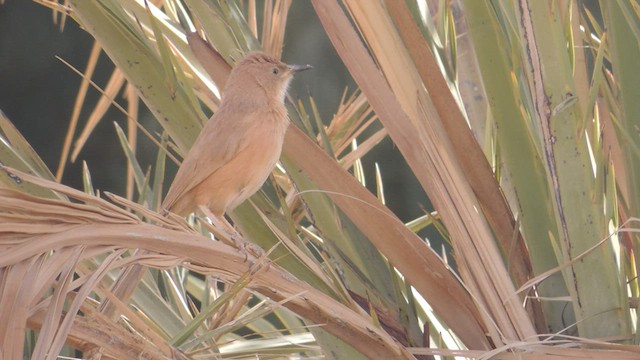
column 246, row 246
column 228, row 234
column 239, row 242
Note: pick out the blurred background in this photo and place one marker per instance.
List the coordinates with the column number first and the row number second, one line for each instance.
column 38, row 92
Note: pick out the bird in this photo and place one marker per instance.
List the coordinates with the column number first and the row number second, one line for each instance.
column 241, row 143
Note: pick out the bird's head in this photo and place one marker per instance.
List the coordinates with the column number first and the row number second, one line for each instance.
column 259, row 70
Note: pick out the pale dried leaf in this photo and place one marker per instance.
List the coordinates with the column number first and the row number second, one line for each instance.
column 77, row 107
column 198, row 253
column 116, row 81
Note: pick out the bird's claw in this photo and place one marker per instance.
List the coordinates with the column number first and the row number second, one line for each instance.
column 246, row 247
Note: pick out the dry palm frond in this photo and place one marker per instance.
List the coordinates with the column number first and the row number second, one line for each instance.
column 80, row 98
column 36, row 258
column 274, row 23
column 97, row 228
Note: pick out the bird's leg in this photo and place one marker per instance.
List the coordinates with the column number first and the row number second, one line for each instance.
column 226, row 232
column 230, row 235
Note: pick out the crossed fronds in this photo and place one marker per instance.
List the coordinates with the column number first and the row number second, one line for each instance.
column 56, row 255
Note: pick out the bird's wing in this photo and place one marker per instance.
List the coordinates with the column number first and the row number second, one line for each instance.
column 217, row 143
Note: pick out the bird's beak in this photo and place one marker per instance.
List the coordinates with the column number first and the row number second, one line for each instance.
column 298, row 68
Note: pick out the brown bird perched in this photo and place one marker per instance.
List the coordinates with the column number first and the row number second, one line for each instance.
column 241, row 143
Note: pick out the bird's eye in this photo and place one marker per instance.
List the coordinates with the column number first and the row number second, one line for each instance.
column 275, row 71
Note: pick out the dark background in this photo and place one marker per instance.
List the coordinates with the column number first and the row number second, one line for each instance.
column 37, row 92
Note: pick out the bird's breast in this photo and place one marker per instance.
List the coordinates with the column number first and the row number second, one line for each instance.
column 248, row 169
